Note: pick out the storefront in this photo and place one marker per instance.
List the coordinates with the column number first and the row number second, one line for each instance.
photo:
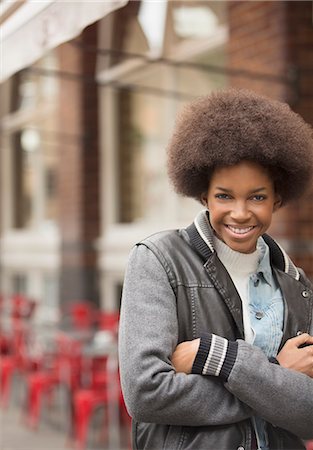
column 84, row 131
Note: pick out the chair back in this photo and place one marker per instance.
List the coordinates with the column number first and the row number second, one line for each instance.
column 108, row 321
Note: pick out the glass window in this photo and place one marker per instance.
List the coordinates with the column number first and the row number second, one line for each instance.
column 34, row 146
column 34, row 179
column 149, row 99
column 23, row 183
column 30, row 88
column 19, row 283
column 142, row 179
column 197, row 20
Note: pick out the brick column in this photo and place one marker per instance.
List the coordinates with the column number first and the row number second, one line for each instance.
column 300, row 55
column 273, row 42
column 79, row 171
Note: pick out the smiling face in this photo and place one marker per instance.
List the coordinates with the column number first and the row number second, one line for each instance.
column 241, row 201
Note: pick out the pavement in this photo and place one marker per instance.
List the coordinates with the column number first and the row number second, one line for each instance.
column 15, row 435
column 50, row 434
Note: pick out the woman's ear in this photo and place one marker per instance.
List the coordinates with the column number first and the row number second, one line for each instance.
column 204, row 199
column 278, row 202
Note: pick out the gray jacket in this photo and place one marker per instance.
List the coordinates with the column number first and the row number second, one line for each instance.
column 171, row 295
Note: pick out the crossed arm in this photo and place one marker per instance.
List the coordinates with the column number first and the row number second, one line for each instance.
column 290, row 356
column 155, row 392
column 269, row 389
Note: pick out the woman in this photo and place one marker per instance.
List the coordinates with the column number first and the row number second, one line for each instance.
column 214, row 316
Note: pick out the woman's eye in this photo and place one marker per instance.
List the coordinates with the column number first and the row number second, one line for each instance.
column 259, row 197
column 222, row 196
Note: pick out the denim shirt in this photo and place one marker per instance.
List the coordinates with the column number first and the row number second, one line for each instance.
column 266, row 308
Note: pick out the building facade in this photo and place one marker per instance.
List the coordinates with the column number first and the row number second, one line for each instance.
column 84, row 133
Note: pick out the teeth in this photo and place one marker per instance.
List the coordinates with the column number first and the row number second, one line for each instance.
column 240, row 230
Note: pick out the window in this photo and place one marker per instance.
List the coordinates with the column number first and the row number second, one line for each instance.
column 151, row 91
column 34, row 179
column 33, row 148
column 19, row 284
column 30, row 89
column 152, row 60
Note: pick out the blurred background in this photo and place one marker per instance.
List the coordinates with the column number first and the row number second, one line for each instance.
column 89, row 93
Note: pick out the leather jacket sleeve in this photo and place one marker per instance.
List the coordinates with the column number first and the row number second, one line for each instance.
column 147, row 338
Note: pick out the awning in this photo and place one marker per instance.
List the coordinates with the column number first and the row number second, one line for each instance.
column 34, row 27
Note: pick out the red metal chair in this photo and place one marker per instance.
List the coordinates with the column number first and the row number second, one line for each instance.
column 4, row 339
column 17, row 357
column 21, row 307
column 19, row 362
column 86, row 399
column 81, row 314
column 104, row 390
column 65, row 365
column 108, row 320
column 11, row 362
column 4, row 344
column 107, row 395
column 62, row 366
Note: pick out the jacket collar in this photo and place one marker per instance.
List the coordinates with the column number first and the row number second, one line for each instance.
column 200, row 234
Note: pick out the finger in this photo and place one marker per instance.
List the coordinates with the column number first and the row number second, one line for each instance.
column 308, row 343
column 301, row 339
column 308, row 340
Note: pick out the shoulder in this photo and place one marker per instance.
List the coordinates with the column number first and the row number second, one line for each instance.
column 172, row 250
column 165, row 245
column 162, row 238
column 156, row 255
column 169, row 243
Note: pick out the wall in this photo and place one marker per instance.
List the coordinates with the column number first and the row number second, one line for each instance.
column 300, row 54
column 271, row 48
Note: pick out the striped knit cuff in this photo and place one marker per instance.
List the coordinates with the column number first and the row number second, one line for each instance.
column 216, row 356
column 273, row 360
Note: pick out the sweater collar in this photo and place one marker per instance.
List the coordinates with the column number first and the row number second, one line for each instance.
column 202, row 238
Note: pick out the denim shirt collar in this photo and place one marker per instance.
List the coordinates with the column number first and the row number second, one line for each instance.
column 264, row 267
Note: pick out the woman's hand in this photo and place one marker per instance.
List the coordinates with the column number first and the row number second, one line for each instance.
column 290, row 356
column 299, row 359
column 184, row 355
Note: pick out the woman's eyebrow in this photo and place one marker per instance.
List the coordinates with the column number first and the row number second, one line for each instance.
column 253, row 191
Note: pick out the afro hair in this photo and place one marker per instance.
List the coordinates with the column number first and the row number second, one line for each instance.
column 232, row 125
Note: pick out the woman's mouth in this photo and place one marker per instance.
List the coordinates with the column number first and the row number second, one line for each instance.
column 239, row 230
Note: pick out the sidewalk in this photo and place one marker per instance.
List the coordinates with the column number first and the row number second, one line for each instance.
column 14, row 435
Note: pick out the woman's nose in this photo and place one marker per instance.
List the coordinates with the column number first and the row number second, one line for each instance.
column 240, row 211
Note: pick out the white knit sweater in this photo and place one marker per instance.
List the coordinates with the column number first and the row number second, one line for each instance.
column 240, row 267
